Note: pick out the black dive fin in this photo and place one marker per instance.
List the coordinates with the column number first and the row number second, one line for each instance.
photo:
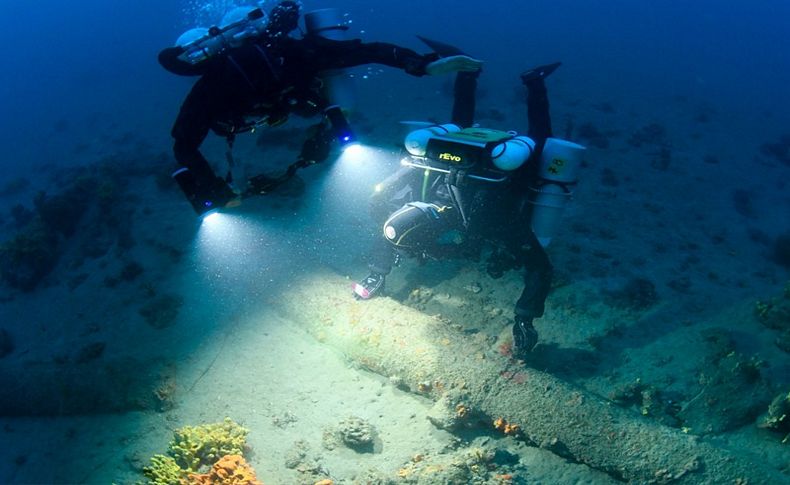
column 540, row 72
column 262, row 185
column 444, row 50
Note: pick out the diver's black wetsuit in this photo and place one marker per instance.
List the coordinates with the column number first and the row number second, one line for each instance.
column 267, row 80
column 494, row 212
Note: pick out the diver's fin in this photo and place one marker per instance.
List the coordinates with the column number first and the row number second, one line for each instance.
column 444, row 50
column 262, row 185
column 540, row 72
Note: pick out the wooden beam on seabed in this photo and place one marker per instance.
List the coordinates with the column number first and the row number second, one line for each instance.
column 432, row 358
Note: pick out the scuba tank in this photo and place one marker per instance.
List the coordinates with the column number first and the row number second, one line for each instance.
column 559, row 169
column 512, row 153
column 237, row 25
column 416, row 142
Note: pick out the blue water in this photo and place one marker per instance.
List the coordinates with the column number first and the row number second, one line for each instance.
column 98, row 58
column 80, row 81
column 59, row 55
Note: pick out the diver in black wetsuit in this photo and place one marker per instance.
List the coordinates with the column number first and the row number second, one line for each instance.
column 492, row 213
column 262, row 82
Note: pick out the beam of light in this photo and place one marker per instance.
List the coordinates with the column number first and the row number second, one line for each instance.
column 245, row 252
column 363, row 159
column 211, row 219
column 232, row 248
column 354, row 151
column 357, row 170
column 339, row 208
column 357, row 153
column 222, row 234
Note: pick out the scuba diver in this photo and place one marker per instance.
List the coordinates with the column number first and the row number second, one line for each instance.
column 462, row 186
column 253, row 73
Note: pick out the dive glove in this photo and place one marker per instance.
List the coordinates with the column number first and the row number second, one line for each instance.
column 525, row 337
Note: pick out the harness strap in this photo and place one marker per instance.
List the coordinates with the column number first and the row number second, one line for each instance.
column 241, row 71
column 452, row 181
column 267, row 61
column 229, row 157
column 565, row 186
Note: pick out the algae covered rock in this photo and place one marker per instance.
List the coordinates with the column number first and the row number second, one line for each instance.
column 783, row 341
column 636, row 294
column 353, row 432
column 649, row 399
column 29, row 256
column 775, row 312
column 732, row 394
column 161, row 311
column 778, row 416
column 451, row 411
column 477, row 464
column 305, row 463
column 63, row 211
column 356, row 433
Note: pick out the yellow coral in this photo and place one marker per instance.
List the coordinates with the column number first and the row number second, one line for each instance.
column 194, row 447
column 163, row 471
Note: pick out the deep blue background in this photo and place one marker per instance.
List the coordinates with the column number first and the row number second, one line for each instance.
column 91, row 65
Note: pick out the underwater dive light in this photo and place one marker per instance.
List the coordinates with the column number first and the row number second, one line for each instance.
column 340, row 126
column 205, row 200
column 188, row 183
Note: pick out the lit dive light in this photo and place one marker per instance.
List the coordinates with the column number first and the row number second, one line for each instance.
column 340, row 125
column 200, row 201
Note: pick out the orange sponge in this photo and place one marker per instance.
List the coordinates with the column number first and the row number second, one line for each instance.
column 229, row 470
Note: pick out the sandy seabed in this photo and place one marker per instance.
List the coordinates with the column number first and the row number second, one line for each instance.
column 86, row 362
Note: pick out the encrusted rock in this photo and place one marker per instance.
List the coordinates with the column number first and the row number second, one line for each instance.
column 306, row 464
column 162, row 311
column 473, row 288
column 356, row 433
column 451, row 411
column 778, row 416
column 398, row 382
column 732, row 393
column 420, row 296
